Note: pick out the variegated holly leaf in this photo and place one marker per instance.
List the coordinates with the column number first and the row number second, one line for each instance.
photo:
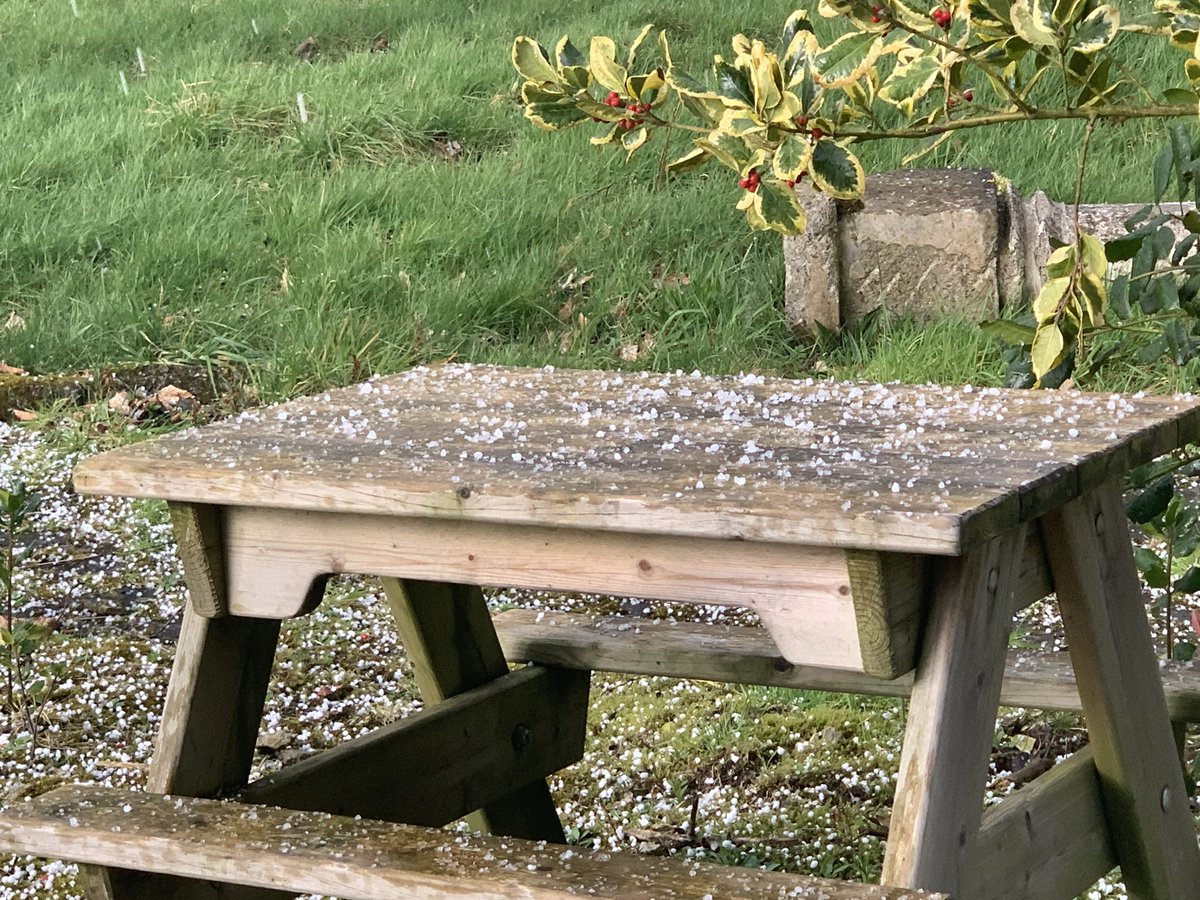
column 1033, row 23
column 687, row 86
column 602, row 60
column 568, row 55
column 733, row 84
column 910, row 81
column 1065, row 12
column 533, row 62
column 631, row 57
column 726, row 149
column 645, row 87
column 550, row 108
column 846, row 59
column 777, row 206
column 635, row 138
column 792, row 157
column 1096, row 31
column 837, row 171
column 797, row 22
column 693, row 159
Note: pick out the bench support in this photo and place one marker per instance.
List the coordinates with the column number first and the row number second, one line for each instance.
column 448, row 635
column 1105, row 620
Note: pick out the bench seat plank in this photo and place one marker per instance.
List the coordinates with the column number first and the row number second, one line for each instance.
column 743, row 655
column 362, row 859
column 918, row 469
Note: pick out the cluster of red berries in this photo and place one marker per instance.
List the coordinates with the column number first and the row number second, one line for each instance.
column 941, row 17
column 877, row 14
column 791, row 182
column 750, row 182
column 816, row 132
column 614, row 100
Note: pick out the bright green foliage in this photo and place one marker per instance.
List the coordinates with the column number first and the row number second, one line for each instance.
column 778, row 114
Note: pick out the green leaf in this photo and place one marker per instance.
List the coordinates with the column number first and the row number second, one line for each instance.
column 1096, row 31
column 1153, row 571
column 1153, row 501
column 1034, row 24
column 797, row 62
column 779, row 208
column 551, row 110
column 1065, row 11
column 910, row 81
column 602, row 60
column 1179, row 96
column 1049, row 298
column 792, row 157
column 1191, row 221
column 1048, row 349
column 837, row 171
column 1162, row 172
column 645, row 87
column 1125, row 247
column 1189, row 581
column 597, row 110
column 533, row 62
column 1009, row 331
column 846, row 59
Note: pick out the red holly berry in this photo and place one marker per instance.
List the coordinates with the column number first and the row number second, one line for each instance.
column 791, row 182
column 942, row 17
column 801, row 121
column 744, row 182
column 875, row 18
column 752, row 186
column 817, row 134
column 627, row 124
column 968, row 95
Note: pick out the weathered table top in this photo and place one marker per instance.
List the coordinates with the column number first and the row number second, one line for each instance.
column 886, row 467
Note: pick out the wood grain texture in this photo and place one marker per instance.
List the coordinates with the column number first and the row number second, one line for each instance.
column 1104, row 617
column 740, row 655
column 897, row 468
column 1049, row 841
column 197, row 530
column 952, row 718
column 449, row 760
column 368, row 860
column 888, row 593
column 803, row 594
column 448, row 636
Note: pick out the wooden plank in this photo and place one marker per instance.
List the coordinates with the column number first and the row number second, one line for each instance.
column 895, row 468
column 888, row 592
column 448, row 636
column 1048, row 841
column 1100, row 597
column 802, row 593
column 197, row 530
column 214, row 705
column 952, row 718
column 360, row 859
column 447, row 761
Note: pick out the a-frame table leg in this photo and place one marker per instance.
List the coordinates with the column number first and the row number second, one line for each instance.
column 448, row 635
column 211, row 717
column 952, row 718
column 1100, row 597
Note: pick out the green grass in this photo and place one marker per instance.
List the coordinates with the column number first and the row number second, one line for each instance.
column 196, row 218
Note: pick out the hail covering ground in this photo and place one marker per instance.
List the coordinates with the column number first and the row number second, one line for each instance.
column 776, row 778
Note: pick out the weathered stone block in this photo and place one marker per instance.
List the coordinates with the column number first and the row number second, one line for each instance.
column 813, row 281
column 924, row 244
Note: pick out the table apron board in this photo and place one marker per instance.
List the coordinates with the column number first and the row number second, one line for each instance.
column 848, row 609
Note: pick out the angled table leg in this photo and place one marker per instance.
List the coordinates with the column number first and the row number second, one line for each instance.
column 1099, row 593
column 213, row 709
column 448, row 635
column 952, row 718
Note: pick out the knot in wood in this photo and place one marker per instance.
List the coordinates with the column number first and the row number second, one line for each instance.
column 1099, row 524
column 522, row 737
column 463, row 493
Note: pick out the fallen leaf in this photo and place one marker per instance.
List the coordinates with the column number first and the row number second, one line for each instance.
column 629, row 352
column 119, row 403
column 6, row 369
column 674, row 279
column 1196, row 620
column 307, row 48
column 14, row 323
column 567, row 311
column 24, row 415
column 170, row 396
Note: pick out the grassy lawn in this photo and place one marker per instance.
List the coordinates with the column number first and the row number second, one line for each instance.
column 185, row 214
column 416, row 217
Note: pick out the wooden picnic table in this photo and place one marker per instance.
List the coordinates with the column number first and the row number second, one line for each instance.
column 873, row 528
